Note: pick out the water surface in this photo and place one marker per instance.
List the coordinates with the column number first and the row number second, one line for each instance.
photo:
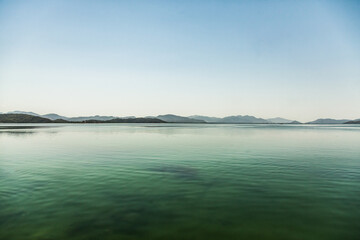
column 179, row 181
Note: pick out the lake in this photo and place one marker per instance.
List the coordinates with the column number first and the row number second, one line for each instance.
column 179, row 181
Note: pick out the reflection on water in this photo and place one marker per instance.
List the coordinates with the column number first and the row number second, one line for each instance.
column 25, row 129
column 17, row 132
column 3, row 126
column 179, row 181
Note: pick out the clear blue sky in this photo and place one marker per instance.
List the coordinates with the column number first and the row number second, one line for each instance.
column 294, row 59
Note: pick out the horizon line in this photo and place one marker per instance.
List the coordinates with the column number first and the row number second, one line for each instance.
column 188, row 116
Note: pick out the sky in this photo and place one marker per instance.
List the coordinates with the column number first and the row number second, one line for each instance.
column 293, row 59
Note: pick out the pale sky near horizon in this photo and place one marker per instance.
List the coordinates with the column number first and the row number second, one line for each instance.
column 293, row 59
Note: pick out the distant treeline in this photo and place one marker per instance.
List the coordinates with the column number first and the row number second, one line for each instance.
column 169, row 118
column 353, row 122
column 24, row 118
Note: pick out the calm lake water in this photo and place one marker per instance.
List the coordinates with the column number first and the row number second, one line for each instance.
column 179, row 181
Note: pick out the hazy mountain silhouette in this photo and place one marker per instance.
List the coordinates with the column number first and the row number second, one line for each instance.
column 126, row 120
column 295, row 122
column 22, row 118
column 231, row 119
column 171, row 118
column 96, row 117
column 54, row 116
column 206, row 118
column 328, row 121
column 25, row 118
column 22, row 112
column 279, row 120
column 357, row 121
column 243, row 119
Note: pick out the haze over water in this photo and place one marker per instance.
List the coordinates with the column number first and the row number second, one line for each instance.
column 180, row 181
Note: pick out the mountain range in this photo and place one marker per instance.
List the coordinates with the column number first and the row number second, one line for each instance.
column 328, row 121
column 171, row 118
column 54, row 116
column 279, row 120
column 357, row 121
column 26, row 118
column 31, row 117
column 231, row 119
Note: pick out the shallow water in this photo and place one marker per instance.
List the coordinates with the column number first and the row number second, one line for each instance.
column 179, row 181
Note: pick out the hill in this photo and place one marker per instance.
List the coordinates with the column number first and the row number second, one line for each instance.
column 22, row 112
column 54, row 116
column 127, row 120
column 231, row 119
column 353, row 122
column 170, row 118
column 279, row 120
column 22, row 118
column 243, row 119
column 96, row 117
column 328, row 121
column 295, row 122
column 206, row 118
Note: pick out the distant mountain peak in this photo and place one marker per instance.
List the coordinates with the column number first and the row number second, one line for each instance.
column 231, row 119
column 279, row 120
column 23, row 112
column 178, row 119
column 328, row 121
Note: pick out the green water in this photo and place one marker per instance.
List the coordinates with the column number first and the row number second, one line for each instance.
column 179, row 181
